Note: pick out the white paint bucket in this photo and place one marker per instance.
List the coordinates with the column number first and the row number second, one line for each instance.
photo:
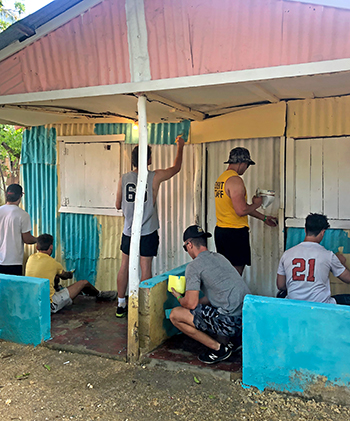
column 268, row 196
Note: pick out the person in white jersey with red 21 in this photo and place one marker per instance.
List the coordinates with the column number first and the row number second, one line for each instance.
column 303, row 270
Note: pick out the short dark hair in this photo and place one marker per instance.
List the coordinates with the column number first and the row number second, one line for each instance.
column 13, row 193
column 135, row 155
column 44, row 241
column 199, row 241
column 315, row 223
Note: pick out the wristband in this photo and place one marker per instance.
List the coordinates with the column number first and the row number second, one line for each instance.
column 178, row 298
column 265, row 217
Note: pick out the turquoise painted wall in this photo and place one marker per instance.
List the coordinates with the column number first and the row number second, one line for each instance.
column 24, row 309
column 76, row 235
column 288, row 344
column 332, row 239
column 158, row 134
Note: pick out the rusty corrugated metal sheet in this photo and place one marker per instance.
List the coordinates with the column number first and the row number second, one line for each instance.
column 89, row 50
column 318, row 117
column 185, row 37
column 261, row 276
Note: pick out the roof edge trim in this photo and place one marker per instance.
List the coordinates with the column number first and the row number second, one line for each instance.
column 212, row 79
column 49, row 27
column 336, row 4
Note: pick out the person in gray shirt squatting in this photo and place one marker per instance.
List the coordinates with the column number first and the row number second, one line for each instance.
column 149, row 235
column 219, row 312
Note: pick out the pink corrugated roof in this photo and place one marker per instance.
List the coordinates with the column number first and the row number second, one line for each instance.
column 185, row 37
column 89, row 50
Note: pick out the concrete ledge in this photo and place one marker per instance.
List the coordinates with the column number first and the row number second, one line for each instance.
column 154, row 299
column 24, row 309
column 297, row 347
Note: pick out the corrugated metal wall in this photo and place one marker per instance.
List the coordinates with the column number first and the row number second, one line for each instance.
column 176, row 205
column 261, row 276
column 90, row 244
column 318, row 117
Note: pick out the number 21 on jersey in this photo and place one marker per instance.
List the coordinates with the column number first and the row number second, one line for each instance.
column 303, row 270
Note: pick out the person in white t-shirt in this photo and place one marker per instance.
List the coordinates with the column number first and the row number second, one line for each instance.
column 15, row 230
column 304, row 269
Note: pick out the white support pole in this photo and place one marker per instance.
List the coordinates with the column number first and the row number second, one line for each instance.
column 134, row 256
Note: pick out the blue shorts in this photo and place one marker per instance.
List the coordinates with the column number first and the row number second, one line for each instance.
column 209, row 319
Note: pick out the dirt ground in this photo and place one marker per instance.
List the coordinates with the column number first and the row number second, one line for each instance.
column 44, row 384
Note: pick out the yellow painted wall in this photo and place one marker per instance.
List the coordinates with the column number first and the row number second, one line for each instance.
column 321, row 117
column 261, row 121
column 110, row 255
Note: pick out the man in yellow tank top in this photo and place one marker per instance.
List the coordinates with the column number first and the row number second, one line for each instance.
column 232, row 210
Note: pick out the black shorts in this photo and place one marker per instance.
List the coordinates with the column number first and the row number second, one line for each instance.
column 148, row 246
column 233, row 243
column 11, row 270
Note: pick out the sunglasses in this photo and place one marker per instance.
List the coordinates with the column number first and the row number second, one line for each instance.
column 185, row 245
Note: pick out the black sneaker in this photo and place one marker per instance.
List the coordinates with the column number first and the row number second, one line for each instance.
column 235, row 347
column 121, row 311
column 211, row 356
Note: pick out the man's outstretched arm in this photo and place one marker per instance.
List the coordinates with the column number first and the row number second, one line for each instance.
column 163, row 175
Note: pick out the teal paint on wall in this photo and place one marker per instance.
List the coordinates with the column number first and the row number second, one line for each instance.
column 39, row 175
column 332, row 239
column 80, row 244
column 288, row 344
column 24, row 309
column 39, row 146
column 78, row 237
column 158, row 134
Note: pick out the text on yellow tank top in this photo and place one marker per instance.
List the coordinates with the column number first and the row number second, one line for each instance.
column 226, row 216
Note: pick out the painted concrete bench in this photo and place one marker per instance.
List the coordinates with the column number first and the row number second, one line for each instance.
column 296, row 346
column 24, row 309
column 154, row 299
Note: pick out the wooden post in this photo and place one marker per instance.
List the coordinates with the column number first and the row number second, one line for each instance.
column 134, row 257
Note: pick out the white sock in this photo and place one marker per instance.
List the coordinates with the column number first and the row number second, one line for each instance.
column 121, row 302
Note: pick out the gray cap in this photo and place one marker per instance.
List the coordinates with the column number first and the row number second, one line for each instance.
column 238, row 155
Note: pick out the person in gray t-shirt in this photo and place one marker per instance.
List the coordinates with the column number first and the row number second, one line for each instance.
column 149, row 236
column 219, row 312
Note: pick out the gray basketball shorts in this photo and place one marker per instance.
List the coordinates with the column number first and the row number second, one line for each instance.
column 60, row 299
column 209, row 319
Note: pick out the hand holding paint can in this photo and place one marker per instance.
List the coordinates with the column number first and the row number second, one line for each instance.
column 268, row 196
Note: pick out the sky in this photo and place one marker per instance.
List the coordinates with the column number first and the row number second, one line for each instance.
column 31, row 5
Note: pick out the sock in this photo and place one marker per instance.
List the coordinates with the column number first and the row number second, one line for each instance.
column 121, row 302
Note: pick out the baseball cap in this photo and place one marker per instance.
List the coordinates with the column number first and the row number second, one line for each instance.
column 14, row 191
column 238, row 155
column 195, row 231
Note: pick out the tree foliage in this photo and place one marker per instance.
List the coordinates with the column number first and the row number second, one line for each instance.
column 10, row 136
column 9, row 16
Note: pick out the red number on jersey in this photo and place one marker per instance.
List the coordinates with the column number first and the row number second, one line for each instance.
column 299, row 267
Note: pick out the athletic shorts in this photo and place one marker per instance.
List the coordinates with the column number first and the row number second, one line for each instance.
column 148, row 246
column 209, row 319
column 60, row 299
column 11, row 270
column 233, row 243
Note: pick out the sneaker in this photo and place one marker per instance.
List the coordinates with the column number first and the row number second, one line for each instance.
column 234, row 347
column 106, row 296
column 121, row 311
column 211, row 356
